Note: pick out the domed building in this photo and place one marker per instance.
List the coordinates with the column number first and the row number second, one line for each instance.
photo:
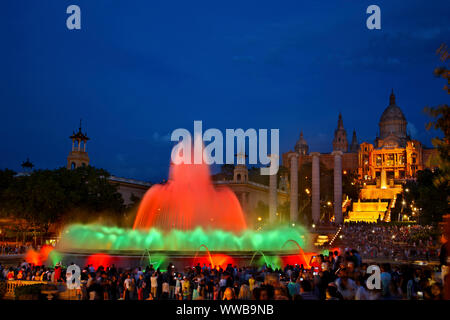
column 392, row 126
column 382, row 167
column 394, row 156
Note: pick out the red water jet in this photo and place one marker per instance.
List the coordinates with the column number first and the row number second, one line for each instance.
column 37, row 258
column 189, row 200
column 99, row 259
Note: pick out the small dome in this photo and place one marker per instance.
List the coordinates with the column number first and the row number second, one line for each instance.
column 301, row 146
column 392, row 112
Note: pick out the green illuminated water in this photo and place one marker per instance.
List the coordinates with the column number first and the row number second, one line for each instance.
column 53, row 258
column 99, row 237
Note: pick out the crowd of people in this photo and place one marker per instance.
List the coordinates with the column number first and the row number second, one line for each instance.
column 337, row 276
column 391, row 242
column 7, row 249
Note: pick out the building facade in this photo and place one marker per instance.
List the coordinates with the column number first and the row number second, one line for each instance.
column 393, row 151
column 381, row 167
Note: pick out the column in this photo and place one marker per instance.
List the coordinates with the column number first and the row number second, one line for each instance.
column 315, row 192
column 383, row 183
column 294, row 187
column 338, row 186
column 273, row 197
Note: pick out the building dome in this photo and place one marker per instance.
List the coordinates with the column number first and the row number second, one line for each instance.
column 301, row 147
column 393, row 124
column 391, row 113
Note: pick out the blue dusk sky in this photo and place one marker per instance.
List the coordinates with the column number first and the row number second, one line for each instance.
column 139, row 69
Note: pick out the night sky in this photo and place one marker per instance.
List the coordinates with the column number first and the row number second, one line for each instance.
column 137, row 70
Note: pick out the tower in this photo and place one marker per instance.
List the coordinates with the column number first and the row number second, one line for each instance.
column 340, row 142
column 78, row 157
column 27, row 166
column 240, row 170
column 354, row 146
column 301, row 147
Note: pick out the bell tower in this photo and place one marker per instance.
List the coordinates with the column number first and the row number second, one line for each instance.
column 78, row 157
column 240, row 170
column 340, row 142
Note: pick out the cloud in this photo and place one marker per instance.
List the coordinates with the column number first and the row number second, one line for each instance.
column 160, row 138
column 412, row 130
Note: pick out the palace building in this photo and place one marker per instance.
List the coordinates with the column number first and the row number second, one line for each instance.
column 382, row 167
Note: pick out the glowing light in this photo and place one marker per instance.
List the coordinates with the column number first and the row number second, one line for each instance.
column 99, row 259
column 98, row 237
column 38, row 258
column 185, row 214
column 189, row 200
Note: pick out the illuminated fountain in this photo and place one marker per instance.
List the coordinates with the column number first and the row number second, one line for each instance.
column 185, row 221
column 189, row 200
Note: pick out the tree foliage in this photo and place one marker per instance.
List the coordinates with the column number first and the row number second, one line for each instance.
column 429, row 199
column 49, row 196
column 442, row 123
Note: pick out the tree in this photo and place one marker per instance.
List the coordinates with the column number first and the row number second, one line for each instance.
column 6, row 178
column 442, row 123
column 441, row 115
column 50, row 196
column 425, row 201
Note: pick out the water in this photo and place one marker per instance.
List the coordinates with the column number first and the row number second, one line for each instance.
column 99, row 237
column 189, row 200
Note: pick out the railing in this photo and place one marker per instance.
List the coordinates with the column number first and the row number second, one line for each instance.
column 11, row 286
column 61, row 292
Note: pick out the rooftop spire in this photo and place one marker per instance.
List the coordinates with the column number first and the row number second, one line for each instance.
column 27, row 164
column 79, row 135
column 392, row 98
column 340, row 122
